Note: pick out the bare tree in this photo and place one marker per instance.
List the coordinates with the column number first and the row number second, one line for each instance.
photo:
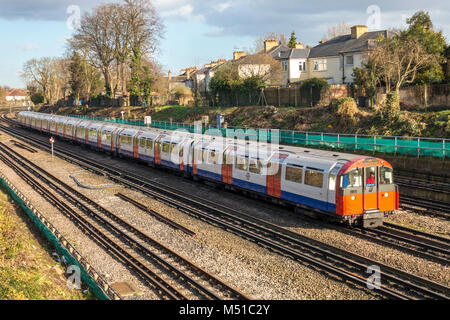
column 261, row 65
column 336, row 30
column 259, row 43
column 50, row 75
column 98, row 39
column 398, row 60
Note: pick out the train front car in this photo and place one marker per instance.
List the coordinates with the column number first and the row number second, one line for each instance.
column 366, row 191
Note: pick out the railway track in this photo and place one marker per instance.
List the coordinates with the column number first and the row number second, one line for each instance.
column 104, row 226
column 435, row 186
column 340, row 263
column 429, row 207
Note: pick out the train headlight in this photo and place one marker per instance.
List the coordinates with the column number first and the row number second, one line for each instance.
column 386, row 194
column 353, row 197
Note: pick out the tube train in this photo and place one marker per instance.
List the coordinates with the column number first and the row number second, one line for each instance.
column 354, row 189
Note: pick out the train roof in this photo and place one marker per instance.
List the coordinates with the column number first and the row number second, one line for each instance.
column 291, row 153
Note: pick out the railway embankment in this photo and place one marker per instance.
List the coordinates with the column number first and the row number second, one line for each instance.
column 29, row 269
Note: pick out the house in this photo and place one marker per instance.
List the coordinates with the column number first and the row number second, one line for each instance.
column 200, row 79
column 18, row 97
column 335, row 59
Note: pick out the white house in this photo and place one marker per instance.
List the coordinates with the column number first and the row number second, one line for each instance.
column 18, row 97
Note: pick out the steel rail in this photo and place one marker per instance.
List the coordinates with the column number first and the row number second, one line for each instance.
column 231, row 292
column 284, row 243
column 116, row 250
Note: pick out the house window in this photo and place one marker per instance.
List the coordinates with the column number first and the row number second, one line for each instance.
column 320, row 65
column 349, row 60
column 285, row 66
column 302, row 66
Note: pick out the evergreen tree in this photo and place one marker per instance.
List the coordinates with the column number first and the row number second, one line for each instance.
column 292, row 41
column 77, row 76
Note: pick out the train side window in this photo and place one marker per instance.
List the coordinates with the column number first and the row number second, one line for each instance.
column 332, row 182
column 255, row 166
column 149, row 144
column 386, row 176
column 129, row 140
column 294, row 174
column 314, row 178
column 242, row 164
column 142, row 143
column 199, row 155
column 165, row 147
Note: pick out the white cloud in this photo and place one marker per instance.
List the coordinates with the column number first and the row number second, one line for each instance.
column 30, row 46
column 223, row 6
column 184, row 12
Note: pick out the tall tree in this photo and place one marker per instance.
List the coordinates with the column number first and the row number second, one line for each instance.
column 97, row 36
column 77, row 76
column 292, row 41
column 421, row 27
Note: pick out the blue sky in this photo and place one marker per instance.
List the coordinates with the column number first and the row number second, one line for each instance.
column 199, row 31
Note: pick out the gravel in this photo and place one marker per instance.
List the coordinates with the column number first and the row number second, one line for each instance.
column 254, row 270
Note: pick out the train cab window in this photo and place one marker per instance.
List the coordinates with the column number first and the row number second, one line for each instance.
column 314, row 178
column 149, row 144
column 371, row 176
column 242, row 163
column 386, row 176
column 255, row 166
column 294, row 174
column 351, row 179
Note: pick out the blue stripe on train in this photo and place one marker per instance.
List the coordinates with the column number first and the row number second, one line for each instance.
column 170, row 164
column 285, row 195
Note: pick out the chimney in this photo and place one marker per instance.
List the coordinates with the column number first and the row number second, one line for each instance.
column 269, row 44
column 299, row 45
column 220, row 61
column 358, row 31
column 170, row 75
column 238, row 54
column 322, row 41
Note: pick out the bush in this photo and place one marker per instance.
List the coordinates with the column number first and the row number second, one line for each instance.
column 347, row 111
column 37, row 98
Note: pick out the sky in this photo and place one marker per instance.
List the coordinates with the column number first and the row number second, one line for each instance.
column 199, row 31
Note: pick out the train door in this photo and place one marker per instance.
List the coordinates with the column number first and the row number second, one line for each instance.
column 136, row 145
column 332, row 187
column 158, row 150
column 86, row 134
column 274, row 169
column 227, row 166
column 370, row 189
column 99, row 137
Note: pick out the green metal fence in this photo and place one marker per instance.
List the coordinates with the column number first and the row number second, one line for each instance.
column 414, row 146
column 89, row 276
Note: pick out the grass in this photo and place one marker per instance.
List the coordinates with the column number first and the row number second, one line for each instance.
column 27, row 271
